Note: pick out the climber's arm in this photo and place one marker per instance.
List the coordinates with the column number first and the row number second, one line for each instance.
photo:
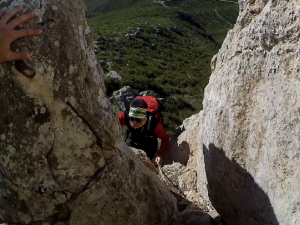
column 121, row 118
column 162, row 134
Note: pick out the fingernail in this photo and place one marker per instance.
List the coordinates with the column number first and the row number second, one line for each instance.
column 28, row 55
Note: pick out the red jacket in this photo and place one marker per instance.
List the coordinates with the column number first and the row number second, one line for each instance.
column 159, row 131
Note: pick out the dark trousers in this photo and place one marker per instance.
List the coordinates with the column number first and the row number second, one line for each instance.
column 150, row 149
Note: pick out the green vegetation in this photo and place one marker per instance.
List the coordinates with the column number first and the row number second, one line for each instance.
column 104, row 6
column 161, row 60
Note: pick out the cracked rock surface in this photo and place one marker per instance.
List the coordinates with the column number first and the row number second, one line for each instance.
column 249, row 134
column 62, row 158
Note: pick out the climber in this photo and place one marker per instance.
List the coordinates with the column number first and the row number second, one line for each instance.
column 8, row 34
column 144, row 129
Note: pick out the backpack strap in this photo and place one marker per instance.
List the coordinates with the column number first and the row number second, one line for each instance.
column 152, row 121
column 149, row 120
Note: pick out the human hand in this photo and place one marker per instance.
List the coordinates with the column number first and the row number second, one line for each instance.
column 8, row 34
column 158, row 160
column 2, row 12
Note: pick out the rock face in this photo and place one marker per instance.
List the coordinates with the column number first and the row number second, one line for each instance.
column 62, row 158
column 249, row 152
column 181, row 179
column 124, row 96
column 181, row 161
column 179, row 149
column 114, row 75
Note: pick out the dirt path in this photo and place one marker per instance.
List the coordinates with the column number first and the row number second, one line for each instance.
column 216, row 12
column 160, row 3
column 229, row 1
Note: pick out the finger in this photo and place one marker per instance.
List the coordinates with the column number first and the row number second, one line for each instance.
column 2, row 12
column 25, row 33
column 18, row 56
column 20, row 19
column 10, row 14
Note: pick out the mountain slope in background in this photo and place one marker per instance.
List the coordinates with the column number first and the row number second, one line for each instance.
column 104, row 6
column 173, row 53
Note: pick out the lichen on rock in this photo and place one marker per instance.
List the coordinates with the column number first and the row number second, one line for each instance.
column 61, row 148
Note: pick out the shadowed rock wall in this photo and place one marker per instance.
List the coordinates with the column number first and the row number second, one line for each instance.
column 62, row 158
column 249, row 161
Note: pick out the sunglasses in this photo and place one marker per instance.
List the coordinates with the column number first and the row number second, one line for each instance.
column 135, row 119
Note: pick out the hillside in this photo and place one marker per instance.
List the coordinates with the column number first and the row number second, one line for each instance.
column 104, row 6
column 172, row 56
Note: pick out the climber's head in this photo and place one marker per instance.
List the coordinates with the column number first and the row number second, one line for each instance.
column 138, row 113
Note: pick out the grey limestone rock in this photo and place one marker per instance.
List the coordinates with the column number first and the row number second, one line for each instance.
column 62, row 157
column 124, row 96
column 249, row 151
column 114, row 75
